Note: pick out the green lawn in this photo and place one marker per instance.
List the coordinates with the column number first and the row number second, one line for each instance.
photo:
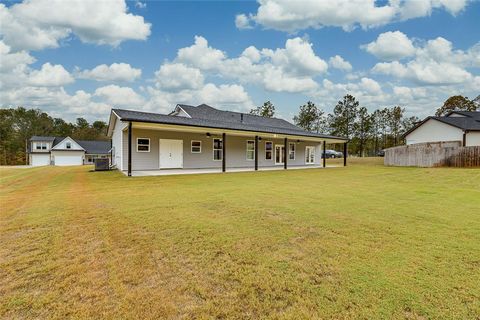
column 361, row 242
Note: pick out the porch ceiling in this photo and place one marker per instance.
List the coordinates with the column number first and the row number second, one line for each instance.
column 217, row 131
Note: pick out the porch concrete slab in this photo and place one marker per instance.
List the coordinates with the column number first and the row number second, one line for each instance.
column 168, row 172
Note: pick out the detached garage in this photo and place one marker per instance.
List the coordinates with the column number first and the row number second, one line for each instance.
column 65, row 151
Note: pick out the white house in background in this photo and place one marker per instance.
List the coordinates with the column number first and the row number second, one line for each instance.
column 65, row 151
column 463, row 126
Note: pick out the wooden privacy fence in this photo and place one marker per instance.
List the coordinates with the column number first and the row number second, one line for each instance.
column 436, row 154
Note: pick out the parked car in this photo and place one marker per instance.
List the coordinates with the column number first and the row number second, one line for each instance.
column 380, row 153
column 332, row 154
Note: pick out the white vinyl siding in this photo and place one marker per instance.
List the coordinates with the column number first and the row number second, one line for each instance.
column 434, row 131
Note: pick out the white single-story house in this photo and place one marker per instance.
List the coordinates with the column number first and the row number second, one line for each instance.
column 463, row 126
column 203, row 137
column 65, row 151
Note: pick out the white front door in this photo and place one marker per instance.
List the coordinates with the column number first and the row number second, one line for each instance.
column 279, row 153
column 171, row 154
column 309, row 155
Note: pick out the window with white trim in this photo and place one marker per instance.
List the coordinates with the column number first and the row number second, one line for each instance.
column 143, row 144
column 196, row 146
column 68, row 145
column 217, row 149
column 291, row 151
column 268, row 150
column 41, row 146
column 250, row 150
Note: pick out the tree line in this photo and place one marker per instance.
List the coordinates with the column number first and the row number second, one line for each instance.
column 18, row 125
column 368, row 132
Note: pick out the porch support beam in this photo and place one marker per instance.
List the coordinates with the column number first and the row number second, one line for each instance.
column 285, row 151
column 130, row 149
column 256, row 153
column 324, row 152
column 224, row 157
column 345, row 154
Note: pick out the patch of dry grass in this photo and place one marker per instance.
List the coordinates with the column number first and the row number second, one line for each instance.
column 365, row 241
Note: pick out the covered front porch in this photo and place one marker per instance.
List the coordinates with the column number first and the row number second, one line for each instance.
column 263, row 151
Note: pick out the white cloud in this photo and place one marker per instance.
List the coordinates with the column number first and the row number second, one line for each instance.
column 415, row 9
column 289, row 69
column 231, row 97
column 10, row 61
column 40, row 24
column 201, row 55
column 391, row 46
column 175, row 76
column 113, row 72
column 242, row 22
column 291, row 16
column 338, row 62
column 435, row 63
column 119, row 96
column 297, row 58
column 370, row 86
column 50, row 75
column 56, row 101
column 252, row 54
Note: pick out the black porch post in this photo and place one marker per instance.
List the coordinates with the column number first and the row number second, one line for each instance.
column 256, row 153
column 111, row 153
column 345, row 154
column 224, row 158
column 285, row 157
column 324, row 154
column 130, row 149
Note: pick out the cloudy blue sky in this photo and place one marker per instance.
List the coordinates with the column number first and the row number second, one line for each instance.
column 80, row 58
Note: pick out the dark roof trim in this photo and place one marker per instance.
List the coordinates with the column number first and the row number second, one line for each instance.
column 248, row 130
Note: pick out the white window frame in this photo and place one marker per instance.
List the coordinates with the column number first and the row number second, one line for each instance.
column 252, row 150
column 40, row 146
column 294, row 150
column 314, row 155
column 271, row 150
column 68, row 145
column 191, row 146
column 144, row 145
column 213, row 151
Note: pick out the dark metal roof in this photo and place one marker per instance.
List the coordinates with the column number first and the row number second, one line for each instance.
column 470, row 121
column 95, row 147
column 471, row 114
column 208, row 117
column 42, row 138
